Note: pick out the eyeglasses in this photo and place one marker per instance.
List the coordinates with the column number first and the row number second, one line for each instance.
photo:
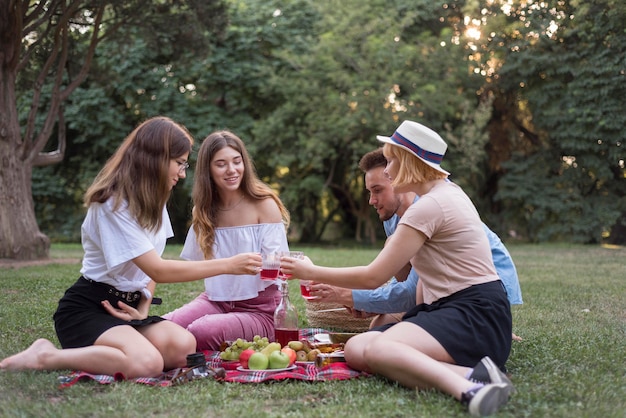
column 182, row 166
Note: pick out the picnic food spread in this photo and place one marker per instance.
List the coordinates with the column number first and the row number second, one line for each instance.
column 260, row 354
column 329, row 364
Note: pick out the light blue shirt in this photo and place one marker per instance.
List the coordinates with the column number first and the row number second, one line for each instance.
column 400, row 296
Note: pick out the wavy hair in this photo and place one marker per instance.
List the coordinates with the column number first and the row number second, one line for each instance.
column 411, row 169
column 205, row 194
column 138, row 170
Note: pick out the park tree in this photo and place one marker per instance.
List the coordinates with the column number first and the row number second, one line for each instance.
column 557, row 72
column 373, row 64
column 46, row 51
column 41, row 31
column 530, row 108
column 219, row 82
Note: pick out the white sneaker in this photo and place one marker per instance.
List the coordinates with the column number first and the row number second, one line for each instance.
column 487, row 399
column 495, row 374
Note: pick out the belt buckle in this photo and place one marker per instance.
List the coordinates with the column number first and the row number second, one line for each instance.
column 129, row 297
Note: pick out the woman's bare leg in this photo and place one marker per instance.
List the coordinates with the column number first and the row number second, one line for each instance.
column 33, row 358
column 172, row 341
column 354, row 350
column 409, row 355
column 120, row 349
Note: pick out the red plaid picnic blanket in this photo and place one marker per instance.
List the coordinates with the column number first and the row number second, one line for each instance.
column 308, row 372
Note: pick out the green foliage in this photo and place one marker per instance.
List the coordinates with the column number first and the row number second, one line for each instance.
column 132, row 78
column 466, row 158
column 371, row 66
column 573, row 79
column 532, row 112
column 550, row 206
column 219, row 82
column 544, row 207
column 58, row 189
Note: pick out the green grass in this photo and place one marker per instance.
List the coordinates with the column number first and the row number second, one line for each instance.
column 572, row 362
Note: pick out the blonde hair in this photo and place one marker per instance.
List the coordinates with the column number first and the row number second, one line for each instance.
column 138, row 170
column 411, row 169
column 205, row 194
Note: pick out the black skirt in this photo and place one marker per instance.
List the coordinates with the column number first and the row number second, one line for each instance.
column 80, row 317
column 470, row 324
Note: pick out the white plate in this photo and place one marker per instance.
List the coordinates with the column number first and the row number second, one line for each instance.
column 322, row 338
column 241, row 369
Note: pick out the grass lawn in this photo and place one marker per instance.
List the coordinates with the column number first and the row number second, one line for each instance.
column 571, row 362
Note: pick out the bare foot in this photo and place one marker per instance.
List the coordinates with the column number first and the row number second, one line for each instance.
column 29, row 359
column 516, row 337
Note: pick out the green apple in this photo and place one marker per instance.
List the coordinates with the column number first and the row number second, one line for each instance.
column 279, row 360
column 258, row 361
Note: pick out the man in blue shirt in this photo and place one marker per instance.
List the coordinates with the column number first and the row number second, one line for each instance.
column 388, row 303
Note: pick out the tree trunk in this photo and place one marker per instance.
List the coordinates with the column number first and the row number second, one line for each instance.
column 20, row 238
column 618, row 232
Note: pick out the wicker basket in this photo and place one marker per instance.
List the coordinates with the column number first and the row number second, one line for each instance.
column 340, row 321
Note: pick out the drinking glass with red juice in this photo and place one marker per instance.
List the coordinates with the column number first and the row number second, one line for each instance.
column 270, row 266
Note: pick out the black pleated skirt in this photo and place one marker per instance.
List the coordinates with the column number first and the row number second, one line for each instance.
column 470, row 324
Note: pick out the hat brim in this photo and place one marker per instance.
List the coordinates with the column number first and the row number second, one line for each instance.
column 390, row 141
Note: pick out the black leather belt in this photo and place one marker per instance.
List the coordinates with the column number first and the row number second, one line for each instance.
column 127, row 296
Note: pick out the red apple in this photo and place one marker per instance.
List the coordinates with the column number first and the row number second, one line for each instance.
column 291, row 353
column 244, row 356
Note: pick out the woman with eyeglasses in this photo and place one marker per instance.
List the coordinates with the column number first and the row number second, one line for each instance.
column 102, row 321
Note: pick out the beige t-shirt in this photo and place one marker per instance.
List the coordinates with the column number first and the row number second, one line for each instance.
column 456, row 253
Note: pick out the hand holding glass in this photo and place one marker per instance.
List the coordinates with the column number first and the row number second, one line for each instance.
column 305, row 290
column 304, row 284
column 299, row 255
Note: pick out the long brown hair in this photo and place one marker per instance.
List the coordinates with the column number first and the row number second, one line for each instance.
column 138, row 170
column 205, row 194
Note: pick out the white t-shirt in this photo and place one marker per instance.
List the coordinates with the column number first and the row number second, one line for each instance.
column 229, row 241
column 112, row 239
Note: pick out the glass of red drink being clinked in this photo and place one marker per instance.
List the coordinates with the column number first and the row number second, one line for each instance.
column 270, row 265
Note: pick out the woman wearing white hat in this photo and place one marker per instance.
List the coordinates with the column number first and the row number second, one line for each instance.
column 458, row 337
